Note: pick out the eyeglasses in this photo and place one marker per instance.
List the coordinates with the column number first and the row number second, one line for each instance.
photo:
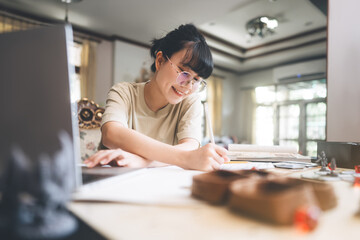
column 184, row 78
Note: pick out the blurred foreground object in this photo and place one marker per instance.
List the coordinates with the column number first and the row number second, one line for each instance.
column 35, row 194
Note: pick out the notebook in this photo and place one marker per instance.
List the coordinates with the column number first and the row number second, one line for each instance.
column 38, row 119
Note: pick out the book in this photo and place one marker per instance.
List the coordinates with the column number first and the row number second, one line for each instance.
column 245, row 165
column 248, row 152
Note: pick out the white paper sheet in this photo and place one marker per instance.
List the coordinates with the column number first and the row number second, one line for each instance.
column 246, row 165
column 157, row 186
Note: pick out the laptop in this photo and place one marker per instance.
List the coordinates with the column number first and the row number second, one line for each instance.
column 38, row 119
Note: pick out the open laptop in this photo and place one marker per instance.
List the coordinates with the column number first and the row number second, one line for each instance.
column 38, row 118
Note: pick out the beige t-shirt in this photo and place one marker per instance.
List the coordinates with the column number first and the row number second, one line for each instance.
column 126, row 104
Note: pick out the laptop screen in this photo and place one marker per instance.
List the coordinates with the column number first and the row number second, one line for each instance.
column 38, row 122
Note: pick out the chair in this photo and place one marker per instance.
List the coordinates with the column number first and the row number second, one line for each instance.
column 89, row 115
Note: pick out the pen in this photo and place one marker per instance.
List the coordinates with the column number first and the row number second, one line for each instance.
column 208, row 123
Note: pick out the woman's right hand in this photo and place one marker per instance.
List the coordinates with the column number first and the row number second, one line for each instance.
column 117, row 157
column 207, row 158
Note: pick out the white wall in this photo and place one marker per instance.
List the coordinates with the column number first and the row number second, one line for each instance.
column 255, row 79
column 104, row 71
column 128, row 60
column 343, row 115
column 117, row 62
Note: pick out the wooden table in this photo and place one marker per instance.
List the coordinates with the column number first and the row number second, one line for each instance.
column 204, row 221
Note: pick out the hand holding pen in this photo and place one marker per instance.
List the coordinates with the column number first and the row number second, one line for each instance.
column 211, row 155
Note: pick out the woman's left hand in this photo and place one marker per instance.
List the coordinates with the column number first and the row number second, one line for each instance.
column 117, row 157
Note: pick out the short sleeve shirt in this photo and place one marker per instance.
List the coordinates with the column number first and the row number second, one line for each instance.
column 126, row 104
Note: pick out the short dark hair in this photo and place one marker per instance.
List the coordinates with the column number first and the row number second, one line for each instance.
column 198, row 56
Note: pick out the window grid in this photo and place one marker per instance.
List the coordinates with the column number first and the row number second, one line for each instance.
column 307, row 120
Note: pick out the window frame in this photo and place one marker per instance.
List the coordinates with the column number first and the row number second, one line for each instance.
column 302, row 103
column 302, row 139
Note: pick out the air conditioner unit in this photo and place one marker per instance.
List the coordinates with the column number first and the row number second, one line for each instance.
column 315, row 69
column 302, row 77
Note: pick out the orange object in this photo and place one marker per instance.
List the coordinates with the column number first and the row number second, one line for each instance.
column 357, row 182
column 306, row 218
column 357, row 179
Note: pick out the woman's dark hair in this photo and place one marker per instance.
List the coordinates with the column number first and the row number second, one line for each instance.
column 198, row 56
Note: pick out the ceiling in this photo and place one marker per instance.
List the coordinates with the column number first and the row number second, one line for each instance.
column 301, row 34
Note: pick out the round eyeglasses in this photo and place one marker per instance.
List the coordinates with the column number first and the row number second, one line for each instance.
column 184, row 78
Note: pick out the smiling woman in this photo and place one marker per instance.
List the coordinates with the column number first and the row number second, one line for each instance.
column 159, row 122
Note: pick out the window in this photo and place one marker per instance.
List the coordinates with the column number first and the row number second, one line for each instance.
column 264, row 125
column 315, row 126
column 292, row 114
column 289, row 125
column 264, row 121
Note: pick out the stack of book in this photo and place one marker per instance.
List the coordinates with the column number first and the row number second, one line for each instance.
column 248, row 152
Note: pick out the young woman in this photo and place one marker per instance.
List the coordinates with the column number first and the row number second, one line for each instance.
column 159, row 122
